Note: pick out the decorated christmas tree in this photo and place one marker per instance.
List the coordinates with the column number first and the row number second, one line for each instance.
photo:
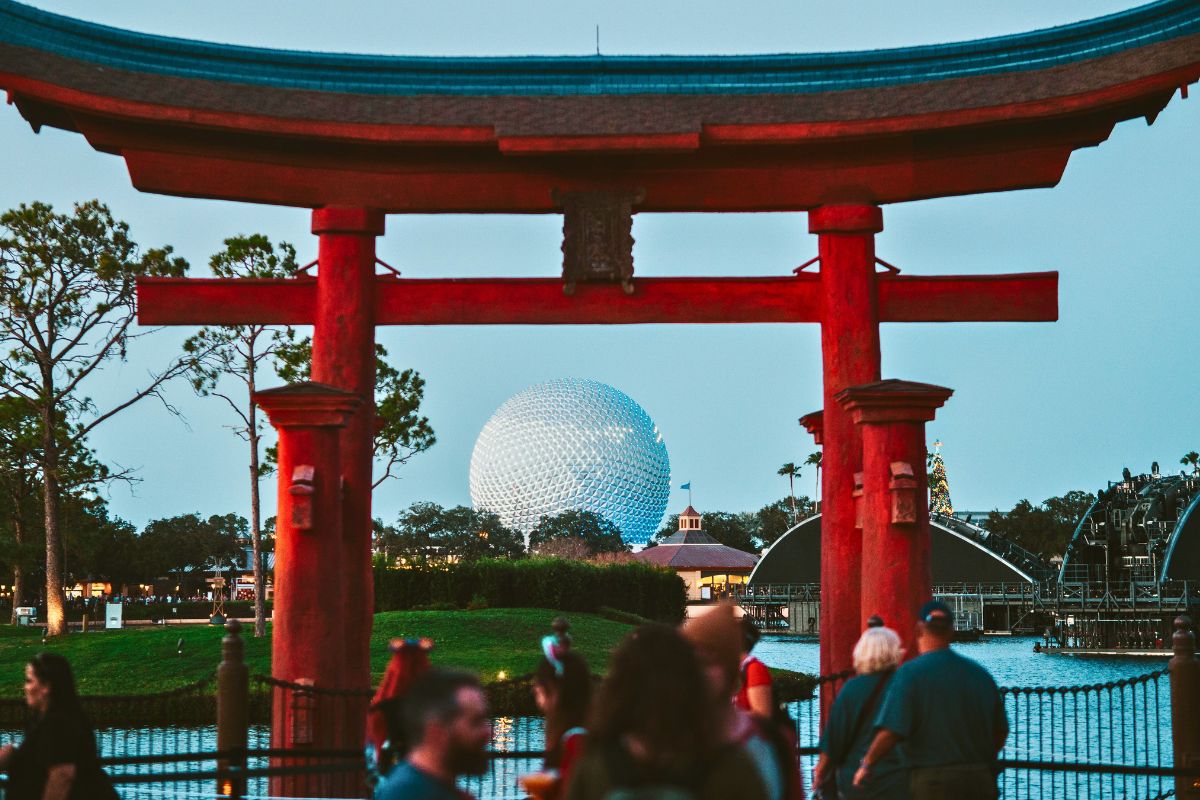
column 939, row 487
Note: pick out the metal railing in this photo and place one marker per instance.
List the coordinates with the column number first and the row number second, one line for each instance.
column 1136, row 737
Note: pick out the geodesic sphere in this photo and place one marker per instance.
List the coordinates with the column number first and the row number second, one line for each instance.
column 572, row 444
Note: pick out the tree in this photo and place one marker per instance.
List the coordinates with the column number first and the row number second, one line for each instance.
column 939, row 485
column 597, row 533
column 1045, row 529
column 568, row 549
column 100, row 547
column 792, row 472
column 774, row 520
column 20, row 494
column 185, row 546
column 1192, row 458
column 67, row 284
column 236, row 352
column 814, row 459
column 425, row 533
column 402, row 432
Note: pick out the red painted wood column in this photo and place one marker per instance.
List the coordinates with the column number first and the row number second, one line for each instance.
column 850, row 354
column 344, row 357
column 309, row 580
column 895, row 504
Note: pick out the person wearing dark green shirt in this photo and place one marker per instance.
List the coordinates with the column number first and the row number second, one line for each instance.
column 947, row 712
column 850, row 726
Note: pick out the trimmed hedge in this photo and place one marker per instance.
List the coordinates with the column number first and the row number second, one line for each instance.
column 560, row 584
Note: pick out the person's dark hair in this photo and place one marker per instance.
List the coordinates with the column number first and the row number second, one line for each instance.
column 55, row 671
column 655, row 692
column 572, row 699
column 750, row 634
column 940, row 628
column 433, row 697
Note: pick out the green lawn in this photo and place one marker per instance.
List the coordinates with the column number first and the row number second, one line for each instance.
column 146, row 659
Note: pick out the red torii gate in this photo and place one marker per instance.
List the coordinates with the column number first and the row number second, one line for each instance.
column 848, row 297
column 356, row 138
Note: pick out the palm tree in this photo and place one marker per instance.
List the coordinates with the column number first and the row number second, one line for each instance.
column 792, row 472
column 1192, row 458
column 815, row 460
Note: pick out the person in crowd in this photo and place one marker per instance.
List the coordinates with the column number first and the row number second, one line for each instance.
column 447, row 728
column 949, row 714
column 57, row 759
column 651, row 729
column 562, row 689
column 717, row 638
column 386, row 743
column 755, row 693
column 850, row 727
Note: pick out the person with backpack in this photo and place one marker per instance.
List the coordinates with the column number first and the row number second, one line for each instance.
column 651, row 730
column 850, row 727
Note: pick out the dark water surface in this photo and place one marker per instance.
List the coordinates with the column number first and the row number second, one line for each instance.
column 1010, row 659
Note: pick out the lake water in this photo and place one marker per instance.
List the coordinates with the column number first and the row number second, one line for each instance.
column 1010, row 659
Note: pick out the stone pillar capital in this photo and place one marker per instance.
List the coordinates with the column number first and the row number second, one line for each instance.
column 307, row 405
column 348, row 220
column 893, row 400
column 814, row 423
column 850, row 219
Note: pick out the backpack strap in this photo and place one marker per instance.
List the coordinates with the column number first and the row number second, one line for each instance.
column 867, row 710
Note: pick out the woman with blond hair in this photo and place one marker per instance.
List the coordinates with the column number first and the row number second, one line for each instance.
column 851, row 723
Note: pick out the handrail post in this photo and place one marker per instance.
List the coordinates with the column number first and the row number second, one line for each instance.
column 1185, row 708
column 233, row 713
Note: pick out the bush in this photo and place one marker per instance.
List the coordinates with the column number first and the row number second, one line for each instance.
column 791, row 686
column 633, row 588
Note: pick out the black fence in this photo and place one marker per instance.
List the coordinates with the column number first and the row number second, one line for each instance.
column 1101, row 741
column 1111, row 740
column 1098, row 741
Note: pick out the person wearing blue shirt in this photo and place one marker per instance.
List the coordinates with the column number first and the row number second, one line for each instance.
column 947, row 712
column 446, row 720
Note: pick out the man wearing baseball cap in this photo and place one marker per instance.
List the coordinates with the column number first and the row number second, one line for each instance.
column 947, row 713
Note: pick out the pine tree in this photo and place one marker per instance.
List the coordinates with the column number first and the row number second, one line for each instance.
column 939, row 487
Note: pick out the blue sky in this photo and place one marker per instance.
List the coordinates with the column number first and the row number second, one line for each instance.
column 1039, row 409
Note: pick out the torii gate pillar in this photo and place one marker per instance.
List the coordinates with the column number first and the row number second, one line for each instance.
column 308, row 552
column 895, row 503
column 344, row 357
column 850, row 354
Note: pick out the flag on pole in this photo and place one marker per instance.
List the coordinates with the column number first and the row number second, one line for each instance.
column 687, row 486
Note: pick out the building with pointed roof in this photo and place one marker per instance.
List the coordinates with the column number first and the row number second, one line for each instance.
column 710, row 569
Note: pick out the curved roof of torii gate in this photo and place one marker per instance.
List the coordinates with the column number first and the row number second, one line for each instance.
column 699, row 133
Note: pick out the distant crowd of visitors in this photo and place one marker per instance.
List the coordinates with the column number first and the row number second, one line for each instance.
column 688, row 713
